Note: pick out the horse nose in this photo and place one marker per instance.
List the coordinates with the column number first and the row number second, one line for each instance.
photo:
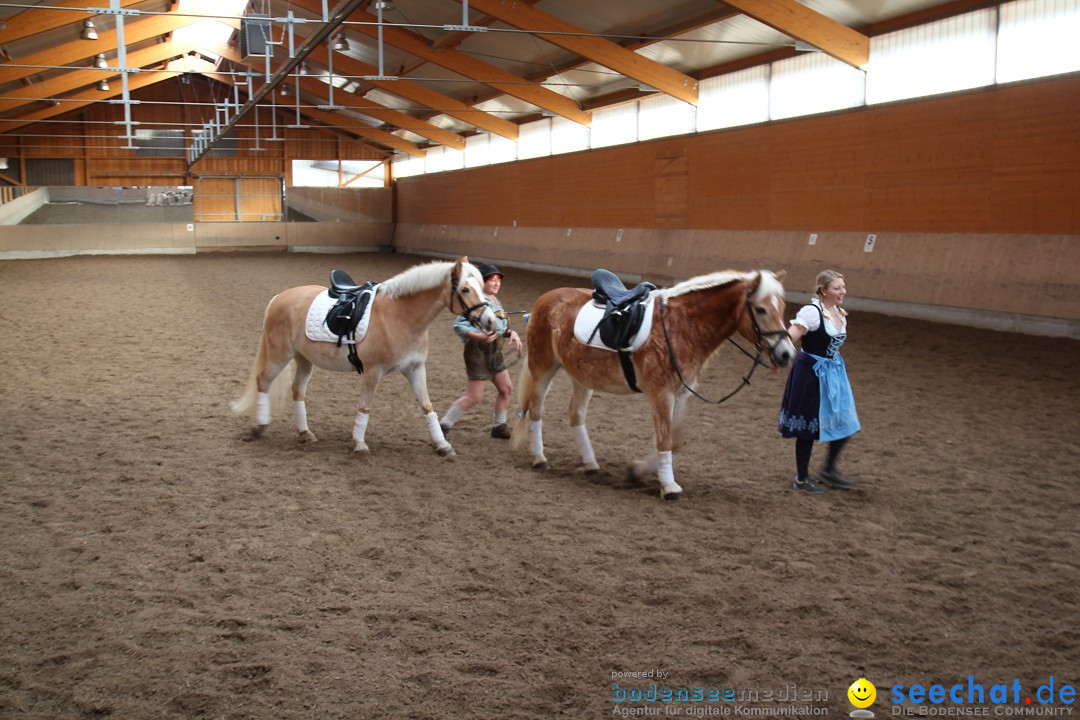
column 782, row 355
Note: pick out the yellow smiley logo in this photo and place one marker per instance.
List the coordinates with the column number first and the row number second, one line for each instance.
column 862, row 693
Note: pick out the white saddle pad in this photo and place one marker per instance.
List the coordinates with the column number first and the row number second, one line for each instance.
column 315, row 325
column 590, row 316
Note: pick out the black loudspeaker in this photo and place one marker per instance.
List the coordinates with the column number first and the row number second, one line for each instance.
column 255, row 35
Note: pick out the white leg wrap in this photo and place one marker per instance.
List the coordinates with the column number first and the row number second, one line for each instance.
column 453, row 414
column 262, row 408
column 434, row 428
column 299, row 411
column 666, row 474
column 536, row 437
column 581, row 435
column 360, row 427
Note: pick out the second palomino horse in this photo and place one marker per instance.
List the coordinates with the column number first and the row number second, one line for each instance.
column 397, row 339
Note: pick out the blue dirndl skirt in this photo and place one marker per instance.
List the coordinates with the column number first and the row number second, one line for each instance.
column 802, row 413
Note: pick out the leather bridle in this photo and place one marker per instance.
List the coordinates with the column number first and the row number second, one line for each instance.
column 455, row 294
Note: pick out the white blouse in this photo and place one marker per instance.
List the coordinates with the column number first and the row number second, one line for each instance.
column 809, row 318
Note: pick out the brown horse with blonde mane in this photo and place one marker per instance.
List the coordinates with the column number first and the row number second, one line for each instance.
column 397, row 339
column 690, row 321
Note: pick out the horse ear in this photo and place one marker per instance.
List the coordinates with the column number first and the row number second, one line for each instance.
column 753, row 281
column 461, row 261
column 780, row 275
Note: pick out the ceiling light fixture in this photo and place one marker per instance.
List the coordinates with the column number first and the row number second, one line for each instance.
column 103, row 85
column 100, row 62
column 384, row 5
column 340, row 43
column 304, row 69
column 89, row 32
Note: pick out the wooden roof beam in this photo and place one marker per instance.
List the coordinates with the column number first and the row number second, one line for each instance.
column 684, row 26
column 467, row 66
column 377, row 136
column 914, row 19
column 800, row 22
column 396, row 118
column 32, row 22
column 452, row 39
column 337, row 120
column 74, row 51
column 599, row 50
column 136, row 81
column 52, row 87
column 370, row 107
column 418, row 93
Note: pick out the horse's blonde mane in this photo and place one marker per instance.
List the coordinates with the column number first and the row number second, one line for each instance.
column 704, row 282
column 416, row 279
column 768, row 287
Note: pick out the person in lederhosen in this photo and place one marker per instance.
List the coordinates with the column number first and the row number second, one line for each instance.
column 484, row 360
column 818, row 403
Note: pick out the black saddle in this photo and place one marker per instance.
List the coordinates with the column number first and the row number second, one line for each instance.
column 608, row 288
column 348, row 311
column 624, row 312
column 342, row 284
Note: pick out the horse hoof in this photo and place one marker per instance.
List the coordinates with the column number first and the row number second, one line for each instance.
column 673, row 496
column 361, row 449
column 592, row 468
column 446, row 452
column 632, row 477
column 307, row 437
column 541, row 465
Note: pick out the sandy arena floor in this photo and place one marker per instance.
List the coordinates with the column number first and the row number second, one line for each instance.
column 154, row 565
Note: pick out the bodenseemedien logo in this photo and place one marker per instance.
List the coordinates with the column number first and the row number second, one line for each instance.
column 862, row 694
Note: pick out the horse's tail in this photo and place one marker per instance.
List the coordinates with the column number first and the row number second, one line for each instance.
column 526, row 399
column 280, row 388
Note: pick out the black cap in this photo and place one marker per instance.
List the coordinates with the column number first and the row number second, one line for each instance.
column 488, row 269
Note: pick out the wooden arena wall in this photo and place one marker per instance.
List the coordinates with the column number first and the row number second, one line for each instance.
column 972, row 198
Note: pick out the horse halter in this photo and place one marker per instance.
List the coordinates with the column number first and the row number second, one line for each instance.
column 762, row 334
column 455, row 294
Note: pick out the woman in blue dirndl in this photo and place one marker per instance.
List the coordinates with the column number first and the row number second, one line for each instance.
column 818, row 403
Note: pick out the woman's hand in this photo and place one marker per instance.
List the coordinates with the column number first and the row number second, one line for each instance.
column 515, row 340
column 482, row 337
